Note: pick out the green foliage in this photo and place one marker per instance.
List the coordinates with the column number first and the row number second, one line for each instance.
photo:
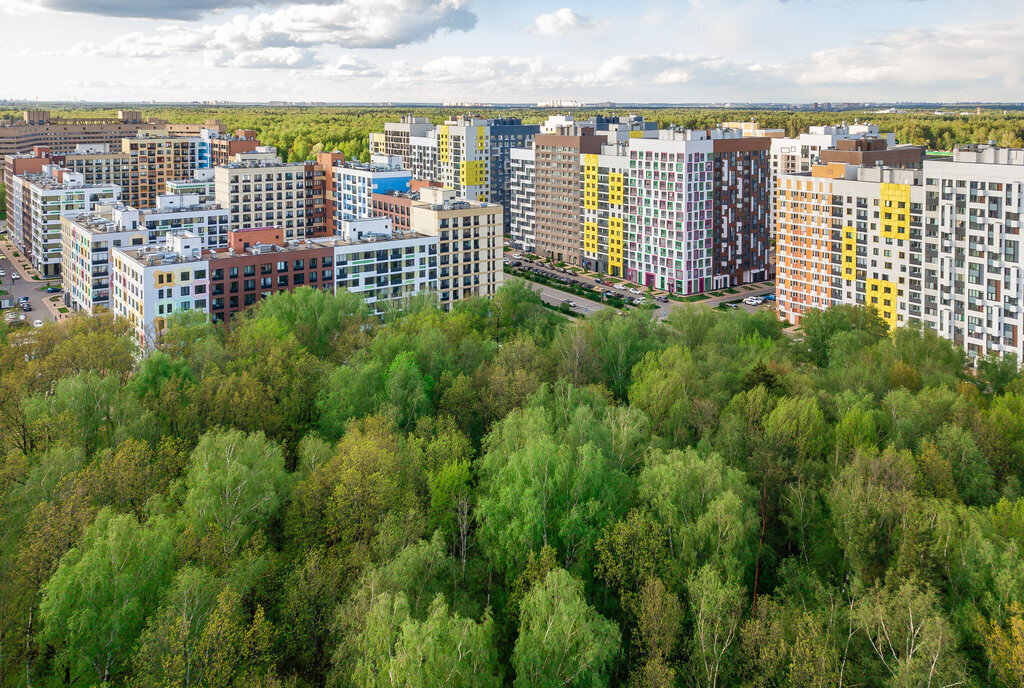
column 487, row 496
column 562, row 641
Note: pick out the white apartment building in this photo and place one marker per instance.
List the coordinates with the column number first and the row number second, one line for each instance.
column 88, row 236
column 38, row 200
column 522, row 195
column 669, row 198
column 355, row 183
column 152, row 283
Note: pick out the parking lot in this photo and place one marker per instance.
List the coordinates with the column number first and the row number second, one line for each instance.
column 596, row 289
column 22, row 287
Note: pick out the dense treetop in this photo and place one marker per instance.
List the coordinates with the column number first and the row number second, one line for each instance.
column 498, row 496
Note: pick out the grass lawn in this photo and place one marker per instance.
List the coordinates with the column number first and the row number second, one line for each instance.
column 611, row 280
column 3, row 293
column 731, row 291
column 717, row 293
column 62, row 310
column 531, row 256
column 691, row 298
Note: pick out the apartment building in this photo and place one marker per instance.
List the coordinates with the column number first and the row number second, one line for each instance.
column 155, row 159
column 152, row 283
column 355, row 183
column 670, row 199
column 37, row 201
column 470, row 243
column 396, row 205
column 558, row 193
column 201, row 184
column 262, row 192
column 846, row 235
column 396, row 136
column 468, row 154
column 63, row 135
column 522, row 199
column 216, row 148
column 88, row 235
column 742, row 211
column 603, row 210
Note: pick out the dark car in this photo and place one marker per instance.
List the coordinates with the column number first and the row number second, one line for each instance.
column 661, row 299
column 26, row 307
column 598, row 281
column 52, row 290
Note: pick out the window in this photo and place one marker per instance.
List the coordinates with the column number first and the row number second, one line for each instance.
column 233, row 272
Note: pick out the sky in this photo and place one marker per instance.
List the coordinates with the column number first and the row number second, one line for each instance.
column 501, row 51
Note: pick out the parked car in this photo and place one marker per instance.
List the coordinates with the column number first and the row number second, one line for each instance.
column 610, row 295
column 517, row 256
column 661, row 299
column 15, row 276
column 26, row 307
column 769, row 297
column 37, row 323
column 634, row 290
column 598, row 280
column 569, row 302
column 22, row 299
column 53, row 290
column 3, row 273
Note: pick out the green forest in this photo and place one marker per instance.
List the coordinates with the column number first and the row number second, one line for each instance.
column 300, row 132
column 500, row 496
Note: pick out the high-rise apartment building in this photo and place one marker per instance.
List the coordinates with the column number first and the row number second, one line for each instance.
column 37, row 202
column 938, row 246
column 742, row 211
column 603, row 210
column 558, row 192
column 522, row 199
column 261, row 192
column 397, row 134
column 469, row 243
column 157, row 158
column 354, row 185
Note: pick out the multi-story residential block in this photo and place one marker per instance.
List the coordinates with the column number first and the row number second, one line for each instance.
column 522, row 199
column 201, row 184
column 468, row 154
column 742, row 211
column 973, row 272
column 37, row 202
column 354, row 185
column 61, row 135
column 558, row 192
column 938, row 246
column 157, row 158
column 670, row 199
column 470, row 243
column 603, row 209
column 395, row 205
column 216, row 148
column 395, row 140
column 88, row 235
column 259, row 193
column 152, row 283
column 844, row 236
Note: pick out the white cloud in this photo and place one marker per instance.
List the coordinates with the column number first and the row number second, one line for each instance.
column 290, row 35
column 962, row 54
column 559, row 22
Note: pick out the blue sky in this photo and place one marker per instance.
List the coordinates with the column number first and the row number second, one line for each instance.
column 514, row 50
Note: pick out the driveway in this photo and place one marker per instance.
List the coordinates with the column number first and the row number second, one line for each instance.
column 35, row 290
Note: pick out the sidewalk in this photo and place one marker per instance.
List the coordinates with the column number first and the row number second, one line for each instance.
column 31, row 275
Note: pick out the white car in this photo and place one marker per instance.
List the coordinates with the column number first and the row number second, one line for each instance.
column 3, row 274
column 753, row 300
column 517, row 256
column 37, row 323
column 620, row 287
column 15, row 276
column 633, row 290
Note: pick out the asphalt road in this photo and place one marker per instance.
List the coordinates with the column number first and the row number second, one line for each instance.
column 33, row 289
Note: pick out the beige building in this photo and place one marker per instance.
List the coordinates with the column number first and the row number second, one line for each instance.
column 262, row 192
column 38, row 128
column 469, row 242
